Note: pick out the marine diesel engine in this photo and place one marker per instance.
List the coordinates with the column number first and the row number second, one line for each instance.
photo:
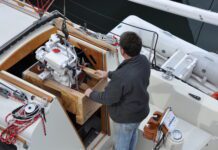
column 59, row 61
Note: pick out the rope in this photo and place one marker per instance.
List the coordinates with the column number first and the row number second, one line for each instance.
column 64, row 25
column 41, row 6
column 21, row 118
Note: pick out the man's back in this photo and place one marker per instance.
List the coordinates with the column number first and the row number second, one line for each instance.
column 133, row 79
column 126, row 94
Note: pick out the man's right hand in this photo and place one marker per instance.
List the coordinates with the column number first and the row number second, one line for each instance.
column 102, row 74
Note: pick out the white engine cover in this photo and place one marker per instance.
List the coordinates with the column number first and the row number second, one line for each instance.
column 57, row 61
column 60, row 61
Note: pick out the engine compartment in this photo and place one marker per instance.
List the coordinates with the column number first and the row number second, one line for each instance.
column 72, row 70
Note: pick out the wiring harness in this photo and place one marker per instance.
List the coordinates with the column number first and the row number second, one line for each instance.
column 20, row 119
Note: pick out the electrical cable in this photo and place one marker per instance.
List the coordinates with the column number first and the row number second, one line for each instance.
column 41, row 6
column 21, row 118
column 161, row 138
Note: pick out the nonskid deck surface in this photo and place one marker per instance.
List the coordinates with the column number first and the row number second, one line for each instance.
column 10, row 24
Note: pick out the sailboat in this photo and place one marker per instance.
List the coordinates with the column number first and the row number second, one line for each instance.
column 62, row 57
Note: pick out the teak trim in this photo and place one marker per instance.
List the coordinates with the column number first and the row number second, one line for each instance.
column 74, row 32
column 21, row 6
column 11, row 79
column 91, row 73
column 28, row 45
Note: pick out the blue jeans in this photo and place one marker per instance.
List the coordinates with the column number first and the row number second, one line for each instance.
column 125, row 136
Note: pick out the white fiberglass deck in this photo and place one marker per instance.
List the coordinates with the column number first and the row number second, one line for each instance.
column 12, row 22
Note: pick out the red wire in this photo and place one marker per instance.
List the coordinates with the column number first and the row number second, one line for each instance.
column 32, row 6
column 37, row 4
column 6, row 118
column 49, row 5
column 9, row 135
column 41, row 6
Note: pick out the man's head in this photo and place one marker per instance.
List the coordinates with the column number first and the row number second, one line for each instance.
column 130, row 44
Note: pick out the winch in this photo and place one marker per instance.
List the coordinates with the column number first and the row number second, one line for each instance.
column 59, row 61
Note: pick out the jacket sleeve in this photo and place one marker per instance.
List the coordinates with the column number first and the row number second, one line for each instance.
column 110, row 73
column 111, row 95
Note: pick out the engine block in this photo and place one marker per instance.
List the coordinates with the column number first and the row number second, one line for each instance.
column 59, row 61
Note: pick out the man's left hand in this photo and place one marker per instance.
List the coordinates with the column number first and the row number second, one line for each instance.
column 88, row 92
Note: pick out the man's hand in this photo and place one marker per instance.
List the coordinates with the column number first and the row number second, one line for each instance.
column 88, row 92
column 102, row 74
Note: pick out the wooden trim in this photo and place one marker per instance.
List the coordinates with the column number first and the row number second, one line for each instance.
column 18, row 137
column 31, row 89
column 96, row 141
column 74, row 32
column 21, row 6
column 105, row 121
column 91, row 73
column 101, row 138
column 90, row 50
column 77, row 42
column 104, row 64
column 28, row 46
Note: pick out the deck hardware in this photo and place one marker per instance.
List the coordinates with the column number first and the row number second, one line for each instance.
column 4, row 92
column 20, row 95
column 168, row 74
column 25, row 146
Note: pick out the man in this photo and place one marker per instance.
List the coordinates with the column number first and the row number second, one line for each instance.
column 126, row 94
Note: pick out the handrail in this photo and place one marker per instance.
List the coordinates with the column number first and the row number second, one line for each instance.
column 152, row 48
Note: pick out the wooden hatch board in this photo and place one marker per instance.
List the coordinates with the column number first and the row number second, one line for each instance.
column 72, row 100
